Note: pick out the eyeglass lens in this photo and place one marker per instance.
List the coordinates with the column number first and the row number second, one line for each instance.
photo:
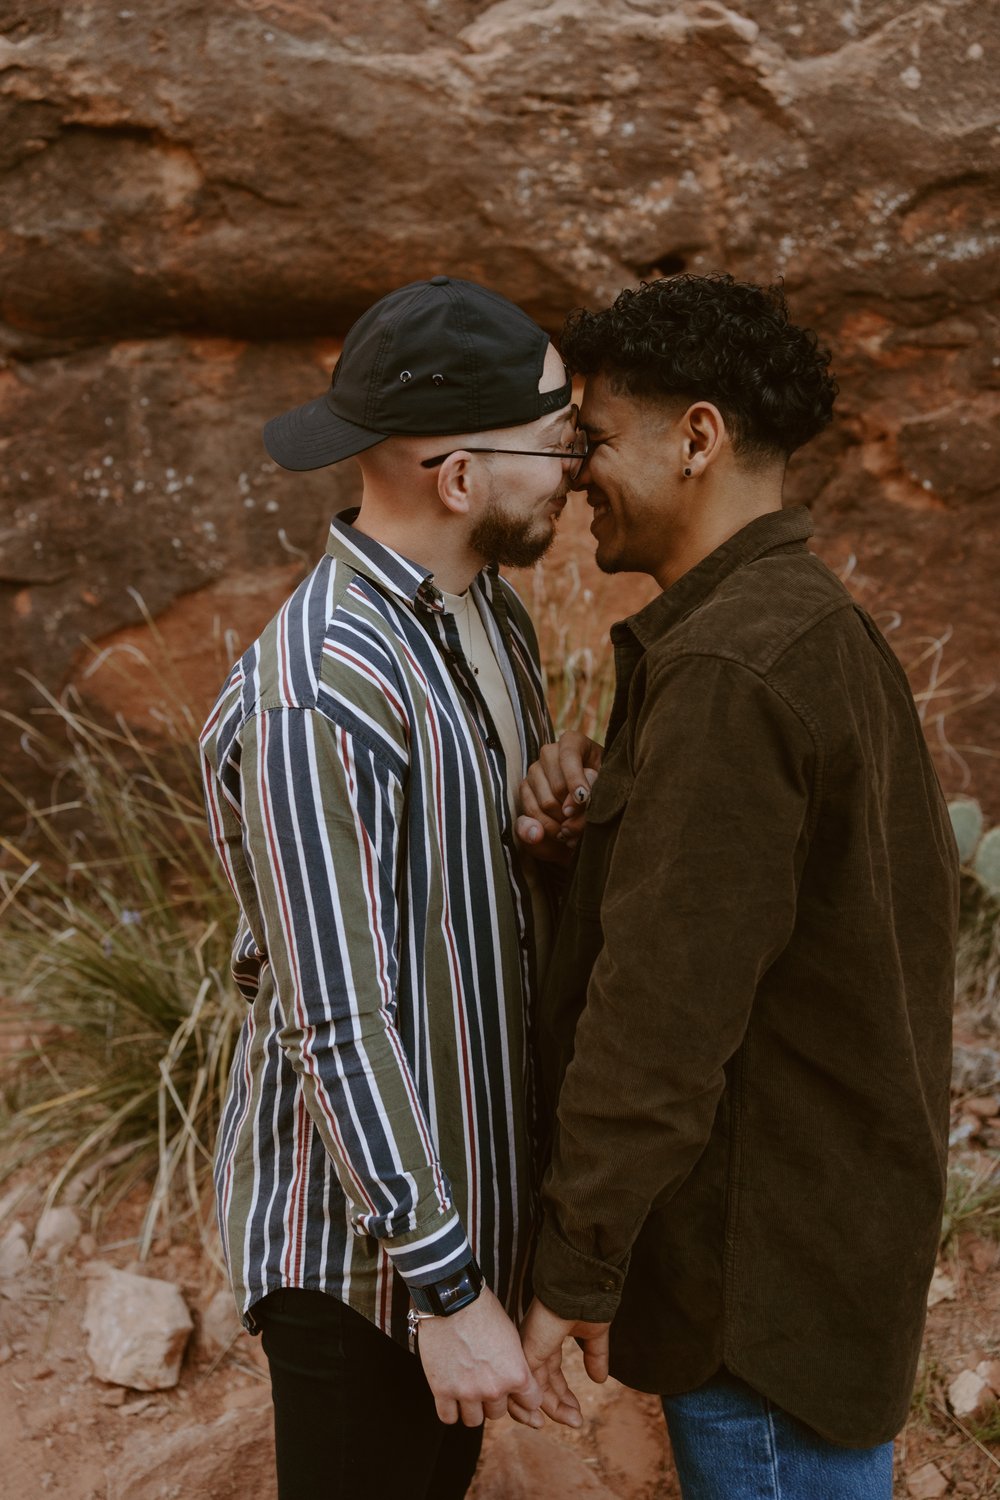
column 578, row 452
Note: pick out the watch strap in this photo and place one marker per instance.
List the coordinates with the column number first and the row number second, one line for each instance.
column 449, row 1295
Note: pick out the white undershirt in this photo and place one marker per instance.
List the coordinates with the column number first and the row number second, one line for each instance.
column 492, row 684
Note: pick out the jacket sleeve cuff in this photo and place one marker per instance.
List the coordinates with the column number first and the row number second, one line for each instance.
column 573, row 1285
column 426, row 1256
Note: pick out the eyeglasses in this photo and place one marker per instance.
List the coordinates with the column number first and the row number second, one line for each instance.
column 575, row 455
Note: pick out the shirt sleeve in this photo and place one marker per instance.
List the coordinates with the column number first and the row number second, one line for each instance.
column 700, row 900
column 323, row 815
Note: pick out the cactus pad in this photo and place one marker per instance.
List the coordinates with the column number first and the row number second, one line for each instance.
column 986, row 864
column 967, row 822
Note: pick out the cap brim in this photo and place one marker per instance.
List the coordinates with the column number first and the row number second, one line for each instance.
column 312, row 436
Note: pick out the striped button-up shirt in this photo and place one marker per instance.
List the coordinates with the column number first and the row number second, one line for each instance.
column 376, row 1128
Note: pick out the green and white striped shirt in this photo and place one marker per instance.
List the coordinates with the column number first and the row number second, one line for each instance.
column 377, row 1125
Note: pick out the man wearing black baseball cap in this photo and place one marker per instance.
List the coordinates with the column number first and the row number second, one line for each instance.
column 374, row 1169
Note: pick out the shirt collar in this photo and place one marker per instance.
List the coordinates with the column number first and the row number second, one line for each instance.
column 390, row 570
column 768, row 533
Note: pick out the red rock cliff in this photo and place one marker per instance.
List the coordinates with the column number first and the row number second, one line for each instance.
column 198, row 199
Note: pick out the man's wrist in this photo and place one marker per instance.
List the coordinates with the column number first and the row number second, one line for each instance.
column 575, row 1286
column 441, row 1298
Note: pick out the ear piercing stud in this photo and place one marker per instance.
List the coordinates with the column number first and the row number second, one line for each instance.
column 687, row 473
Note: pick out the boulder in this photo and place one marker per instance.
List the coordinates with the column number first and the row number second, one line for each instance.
column 170, row 167
column 137, row 1327
column 188, row 235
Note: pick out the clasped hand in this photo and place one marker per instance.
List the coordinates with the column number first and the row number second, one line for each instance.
column 543, row 1334
column 474, row 1365
column 477, row 1367
column 554, row 796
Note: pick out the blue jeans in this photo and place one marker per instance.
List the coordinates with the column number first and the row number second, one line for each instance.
column 732, row 1444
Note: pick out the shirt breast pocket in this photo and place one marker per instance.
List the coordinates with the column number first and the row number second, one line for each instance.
column 608, row 801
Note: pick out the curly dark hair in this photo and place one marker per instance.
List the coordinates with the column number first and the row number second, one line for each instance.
column 711, row 338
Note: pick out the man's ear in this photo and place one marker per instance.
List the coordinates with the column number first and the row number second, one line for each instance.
column 703, row 435
column 455, row 482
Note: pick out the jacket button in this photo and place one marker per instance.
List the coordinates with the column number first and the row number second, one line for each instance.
column 607, row 1285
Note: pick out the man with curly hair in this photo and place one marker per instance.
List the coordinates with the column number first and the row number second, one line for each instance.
column 747, row 1021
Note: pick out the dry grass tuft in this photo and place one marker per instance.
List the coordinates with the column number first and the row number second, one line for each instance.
column 114, row 960
column 977, row 972
column 973, row 1196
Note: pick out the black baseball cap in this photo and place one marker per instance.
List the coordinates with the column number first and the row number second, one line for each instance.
column 433, row 358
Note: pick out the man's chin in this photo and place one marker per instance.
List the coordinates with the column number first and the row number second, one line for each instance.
column 528, row 555
column 608, row 562
column 513, row 542
column 521, row 551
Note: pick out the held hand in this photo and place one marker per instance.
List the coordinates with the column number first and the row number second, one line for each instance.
column 543, row 1334
column 474, row 1364
column 554, row 796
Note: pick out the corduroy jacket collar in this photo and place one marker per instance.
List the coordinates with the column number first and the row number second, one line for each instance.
column 768, row 533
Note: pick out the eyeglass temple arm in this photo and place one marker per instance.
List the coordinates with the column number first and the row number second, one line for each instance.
column 569, row 454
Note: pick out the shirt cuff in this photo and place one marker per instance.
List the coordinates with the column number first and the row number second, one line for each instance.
column 429, row 1255
column 573, row 1285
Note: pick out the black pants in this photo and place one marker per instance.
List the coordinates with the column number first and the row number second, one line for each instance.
column 353, row 1413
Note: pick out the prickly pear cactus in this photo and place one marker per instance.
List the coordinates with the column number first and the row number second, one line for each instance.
column 978, row 852
column 967, row 823
column 986, row 863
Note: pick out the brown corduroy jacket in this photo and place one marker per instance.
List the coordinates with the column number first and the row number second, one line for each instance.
column 748, row 1017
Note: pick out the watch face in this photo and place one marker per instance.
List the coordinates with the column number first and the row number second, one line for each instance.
column 449, row 1295
column 452, row 1294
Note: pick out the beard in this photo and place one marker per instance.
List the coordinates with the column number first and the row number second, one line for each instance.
column 511, row 541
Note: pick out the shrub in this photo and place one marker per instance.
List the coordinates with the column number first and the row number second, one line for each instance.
column 117, row 923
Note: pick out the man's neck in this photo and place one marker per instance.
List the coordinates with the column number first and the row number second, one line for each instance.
column 430, row 545
column 711, row 524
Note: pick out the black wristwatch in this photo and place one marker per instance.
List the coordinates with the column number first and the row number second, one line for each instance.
column 450, row 1295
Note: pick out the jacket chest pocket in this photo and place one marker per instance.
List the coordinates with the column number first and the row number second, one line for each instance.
column 608, row 801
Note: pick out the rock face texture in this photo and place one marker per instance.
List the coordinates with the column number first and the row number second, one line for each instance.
column 198, row 200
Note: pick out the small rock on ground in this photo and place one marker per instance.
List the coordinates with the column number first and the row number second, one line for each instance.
column 942, row 1289
column 974, row 1069
column 926, row 1483
column 57, row 1231
column 138, row 1329
column 969, row 1395
column 13, row 1251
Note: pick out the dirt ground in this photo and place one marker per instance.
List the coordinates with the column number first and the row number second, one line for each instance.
column 65, row 1433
